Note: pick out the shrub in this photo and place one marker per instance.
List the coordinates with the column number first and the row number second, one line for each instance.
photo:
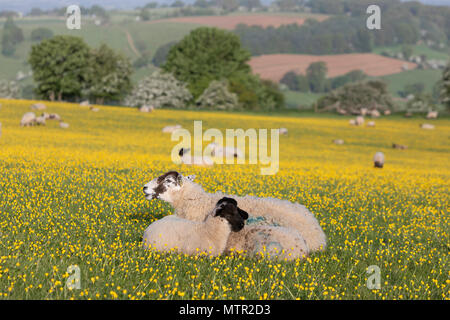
column 217, row 96
column 9, row 89
column 159, row 90
column 352, row 97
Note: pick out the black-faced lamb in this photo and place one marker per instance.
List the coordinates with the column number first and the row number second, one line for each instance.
column 192, row 237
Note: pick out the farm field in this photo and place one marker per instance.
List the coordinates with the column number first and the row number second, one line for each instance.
column 397, row 82
column 275, row 66
column 74, row 197
column 231, row 21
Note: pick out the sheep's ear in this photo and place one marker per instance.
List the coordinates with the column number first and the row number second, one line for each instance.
column 190, row 177
column 243, row 214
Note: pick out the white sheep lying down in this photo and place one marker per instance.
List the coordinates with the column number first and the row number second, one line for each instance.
column 193, row 237
column 191, row 202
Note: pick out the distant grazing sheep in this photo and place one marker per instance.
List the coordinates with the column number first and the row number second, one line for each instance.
column 40, row 121
column 387, row 112
column 28, row 119
column 399, row 146
column 283, row 131
column 378, row 160
column 432, row 115
column 359, row 120
column 51, row 116
column 146, row 109
column 85, row 103
column 352, row 122
column 63, row 125
column 170, row 129
column 227, row 152
column 194, row 237
column 338, row 141
column 371, row 124
column 38, row 106
column 427, row 126
column 93, row 109
column 375, row 113
column 364, row 111
column 186, row 158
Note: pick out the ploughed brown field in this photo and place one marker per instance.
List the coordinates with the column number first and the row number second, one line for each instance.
column 230, row 22
column 275, row 66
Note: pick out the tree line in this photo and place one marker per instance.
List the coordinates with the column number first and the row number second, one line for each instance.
column 315, row 80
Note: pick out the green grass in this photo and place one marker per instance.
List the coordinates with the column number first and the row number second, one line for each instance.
column 397, row 82
column 304, row 100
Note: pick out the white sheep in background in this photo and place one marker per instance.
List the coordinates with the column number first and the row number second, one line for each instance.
column 338, row 141
column 427, row 126
column 387, row 112
column 51, row 116
column 375, row 113
column 378, row 160
column 28, row 119
column 359, row 120
column 170, row 129
column 432, row 115
column 146, row 109
column 352, row 122
column 63, row 125
column 283, row 131
column 370, row 124
column 85, row 103
column 227, row 152
column 186, row 158
column 38, row 106
column 191, row 202
column 40, row 121
column 193, row 237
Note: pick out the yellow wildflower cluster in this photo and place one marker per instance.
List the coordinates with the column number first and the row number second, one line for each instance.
column 74, row 197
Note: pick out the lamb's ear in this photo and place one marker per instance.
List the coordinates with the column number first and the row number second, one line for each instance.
column 190, row 177
column 243, row 214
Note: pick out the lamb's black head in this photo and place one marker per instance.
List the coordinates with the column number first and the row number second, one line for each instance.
column 227, row 208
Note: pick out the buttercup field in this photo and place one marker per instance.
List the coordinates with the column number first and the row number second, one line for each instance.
column 74, row 197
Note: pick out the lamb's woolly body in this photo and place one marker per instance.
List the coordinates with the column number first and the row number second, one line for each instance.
column 280, row 242
column 193, row 203
column 188, row 236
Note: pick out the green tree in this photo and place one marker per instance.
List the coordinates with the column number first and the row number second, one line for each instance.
column 61, row 67
column 40, row 34
column 178, row 4
column 12, row 35
column 201, row 3
column 161, row 54
column 204, row 55
column 111, row 75
column 290, row 79
column 317, row 74
column 445, row 87
column 303, row 83
column 407, row 51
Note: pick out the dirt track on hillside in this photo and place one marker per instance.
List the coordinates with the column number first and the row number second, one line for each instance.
column 275, row 66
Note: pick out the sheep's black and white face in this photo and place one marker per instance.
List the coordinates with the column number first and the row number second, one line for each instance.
column 163, row 186
column 227, row 208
